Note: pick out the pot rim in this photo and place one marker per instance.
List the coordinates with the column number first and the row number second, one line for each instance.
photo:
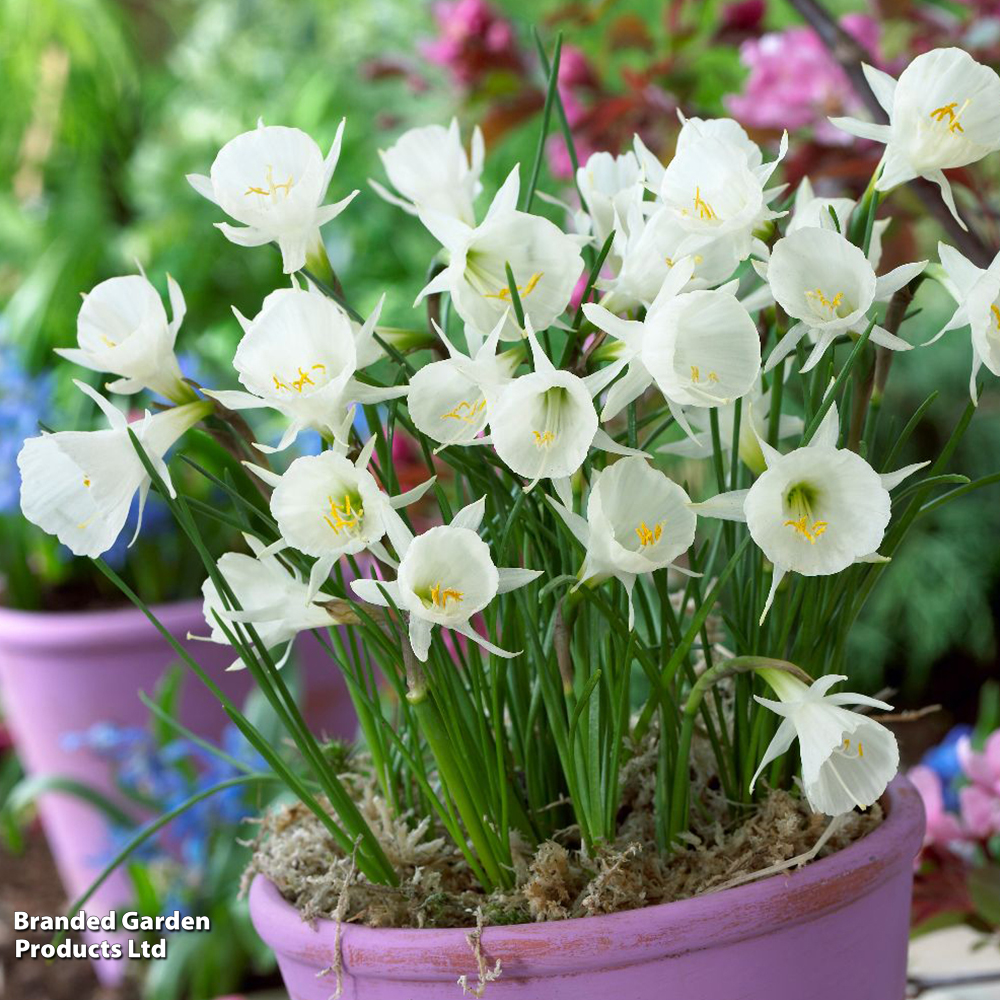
column 618, row 939
column 124, row 625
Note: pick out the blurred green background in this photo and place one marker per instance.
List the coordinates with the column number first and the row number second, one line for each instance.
column 109, row 103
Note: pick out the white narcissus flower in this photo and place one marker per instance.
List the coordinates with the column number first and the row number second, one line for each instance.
column 701, row 348
column 647, row 250
column 449, row 400
column 716, row 190
column 79, row 485
column 826, row 283
column 976, row 290
column 637, row 521
column 543, row 424
column 272, row 598
column 754, row 415
column 122, row 328
column 848, row 759
column 811, row 211
column 446, row 575
column 273, row 179
column 816, row 510
column 429, row 167
column 298, row 356
column 944, row 112
column 328, row 506
column 610, row 186
column 546, row 264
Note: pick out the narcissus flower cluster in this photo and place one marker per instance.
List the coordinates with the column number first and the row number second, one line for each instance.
column 579, row 380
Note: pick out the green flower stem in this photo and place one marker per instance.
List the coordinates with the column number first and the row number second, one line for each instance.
column 677, row 820
column 673, row 664
column 434, row 730
column 551, row 92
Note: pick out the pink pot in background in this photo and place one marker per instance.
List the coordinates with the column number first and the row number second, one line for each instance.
column 62, row 672
column 837, row 928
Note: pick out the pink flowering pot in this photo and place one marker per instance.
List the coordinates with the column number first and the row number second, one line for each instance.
column 62, row 672
column 834, row 929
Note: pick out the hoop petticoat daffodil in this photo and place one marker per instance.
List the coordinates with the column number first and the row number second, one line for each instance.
column 944, row 112
column 446, row 575
column 647, row 250
column 701, row 348
column 272, row 598
column 546, row 264
column 637, row 521
column 715, row 189
column 429, row 167
column 610, row 186
column 448, row 400
column 79, row 485
column 273, row 179
column 848, row 759
column 543, row 424
column 814, row 511
column 826, row 283
column 122, row 328
column 976, row 290
column 328, row 506
column 299, row 356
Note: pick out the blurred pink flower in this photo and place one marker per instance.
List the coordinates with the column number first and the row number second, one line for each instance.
column 473, row 41
column 942, row 827
column 794, row 82
column 980, row 799
column 983, row 768
column 980, row 812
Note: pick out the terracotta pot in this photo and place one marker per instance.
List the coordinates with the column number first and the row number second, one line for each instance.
column 833, row 930
column 62, row 672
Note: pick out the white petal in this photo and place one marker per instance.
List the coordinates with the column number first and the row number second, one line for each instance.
column 726, row 506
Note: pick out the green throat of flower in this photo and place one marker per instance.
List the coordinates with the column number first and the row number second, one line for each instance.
column 800, row 501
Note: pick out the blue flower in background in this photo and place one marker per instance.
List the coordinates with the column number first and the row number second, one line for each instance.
column 943, row 759
column 163, row 778
column 24, row 401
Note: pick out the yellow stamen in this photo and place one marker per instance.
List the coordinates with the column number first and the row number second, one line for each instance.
column 86, row 481
column 996, row 315
column 272, row 188
column 543, row 439
column 702, row 207
column 649, row 536
column 343, row 516
column 522, row 290
column 831, row 304
column 108, row 342
column 468, row 417
column 696, row 375
column 303, row 379
column 948, row 111
column 440, row 598
column 810, row 534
